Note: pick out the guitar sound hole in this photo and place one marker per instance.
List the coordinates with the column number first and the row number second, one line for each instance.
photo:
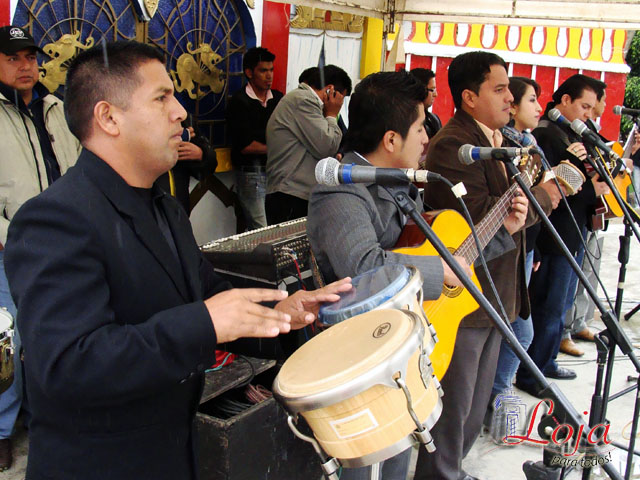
column 451, row 291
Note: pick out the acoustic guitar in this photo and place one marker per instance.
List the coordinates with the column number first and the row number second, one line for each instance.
column 607, row 206
column 621, row 182
column 455, row 303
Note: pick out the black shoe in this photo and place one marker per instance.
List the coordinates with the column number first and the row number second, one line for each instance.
column 532, row 390
column 562, row 374
column 6, row 458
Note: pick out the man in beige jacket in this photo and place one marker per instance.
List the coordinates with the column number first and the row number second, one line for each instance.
column 36, row 147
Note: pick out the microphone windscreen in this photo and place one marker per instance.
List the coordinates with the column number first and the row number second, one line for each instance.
column 554, row 114
column 464, row 154
column 617, row 110
column 327, row 171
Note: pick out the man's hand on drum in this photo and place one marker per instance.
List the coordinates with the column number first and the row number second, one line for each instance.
column 450, row 278
column 303, row 306
column 237, row 313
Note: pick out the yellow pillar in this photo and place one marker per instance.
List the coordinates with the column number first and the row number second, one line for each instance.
column 371, row 46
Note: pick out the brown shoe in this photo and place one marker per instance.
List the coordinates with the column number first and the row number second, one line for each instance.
column 5, row 454
column 569, row 347
column 587, row 335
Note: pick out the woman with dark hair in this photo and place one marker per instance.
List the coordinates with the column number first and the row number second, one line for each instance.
column 525, row 113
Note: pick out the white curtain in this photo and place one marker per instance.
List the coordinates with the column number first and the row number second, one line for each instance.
column 340, row 48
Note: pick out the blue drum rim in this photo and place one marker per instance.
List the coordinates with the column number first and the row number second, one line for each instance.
column 330, row 315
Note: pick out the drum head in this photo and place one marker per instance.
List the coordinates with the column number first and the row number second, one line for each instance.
column 345, row 352
column 6, row 320
column 370, row 290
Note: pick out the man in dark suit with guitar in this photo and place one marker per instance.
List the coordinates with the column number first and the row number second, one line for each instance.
column 479, row 85
column 120, row 312
column 553, row 286
column 581, row 312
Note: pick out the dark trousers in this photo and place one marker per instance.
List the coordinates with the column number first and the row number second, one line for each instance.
column 552, row 291
column 467, row 388
column 282, row 207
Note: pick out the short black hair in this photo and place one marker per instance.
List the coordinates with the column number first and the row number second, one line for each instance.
column 469, row 70
column 332, row 76
column 598, row 86
column 574, row 86
column 423, row 75
column 381, row 102
column 518, row 87
column 307, row 74
column 254, row 56
column 106, row 72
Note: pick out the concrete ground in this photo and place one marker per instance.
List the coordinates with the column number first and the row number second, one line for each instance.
column 490, row 461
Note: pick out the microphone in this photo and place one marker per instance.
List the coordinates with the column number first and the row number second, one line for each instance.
column 468, row 154
column 618, row 110
column 555, row 116
column 330, row 171
column 594, row 139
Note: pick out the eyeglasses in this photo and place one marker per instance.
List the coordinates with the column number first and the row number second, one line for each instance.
column 432, row 90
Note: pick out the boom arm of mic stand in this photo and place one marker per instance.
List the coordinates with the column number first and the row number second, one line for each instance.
column 408, row 207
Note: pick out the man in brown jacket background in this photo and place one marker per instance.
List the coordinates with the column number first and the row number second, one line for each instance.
column 479, row 86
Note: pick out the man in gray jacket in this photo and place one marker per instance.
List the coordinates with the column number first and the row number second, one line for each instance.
column 36, row 147
column 302, row 130
column 352, row 227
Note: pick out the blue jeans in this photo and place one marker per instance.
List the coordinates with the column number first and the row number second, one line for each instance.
column 251, row 189
column 552, row 290
column 394, row 468
column 11, row 399
column 523, row 329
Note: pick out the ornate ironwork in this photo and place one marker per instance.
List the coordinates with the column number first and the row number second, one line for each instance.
column 54, row 72
column 309, row 17
column 190, row 72
column 203, row 40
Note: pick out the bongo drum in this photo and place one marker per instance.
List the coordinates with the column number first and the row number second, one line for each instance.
column 392, row 286
column 365, row 388
column 6, row 349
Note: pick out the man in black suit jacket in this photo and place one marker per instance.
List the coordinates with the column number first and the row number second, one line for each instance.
column 120, row 313
column 553, row 285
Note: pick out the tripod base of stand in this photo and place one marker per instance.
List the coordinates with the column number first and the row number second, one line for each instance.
column 539, row 471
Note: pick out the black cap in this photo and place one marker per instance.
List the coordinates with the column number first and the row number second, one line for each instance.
column 13, row 39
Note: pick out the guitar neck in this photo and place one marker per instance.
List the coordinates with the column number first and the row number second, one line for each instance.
column 490, row 224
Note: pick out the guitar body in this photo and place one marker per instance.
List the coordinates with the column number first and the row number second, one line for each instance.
column 607, row 206
column 599, row 216
column 621, row 182
column 454, row 303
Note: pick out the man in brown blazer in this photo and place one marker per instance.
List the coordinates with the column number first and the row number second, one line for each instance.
column 479, row 86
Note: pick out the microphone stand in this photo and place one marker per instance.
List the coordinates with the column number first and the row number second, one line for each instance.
column 613, row 335
column 563, row 409
column 605, row 344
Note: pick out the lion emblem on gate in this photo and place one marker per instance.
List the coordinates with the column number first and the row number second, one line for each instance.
column 62, row 51
column 190, row 74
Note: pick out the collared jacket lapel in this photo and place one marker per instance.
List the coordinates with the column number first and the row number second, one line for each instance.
column 128, row 204
column 384, row 193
